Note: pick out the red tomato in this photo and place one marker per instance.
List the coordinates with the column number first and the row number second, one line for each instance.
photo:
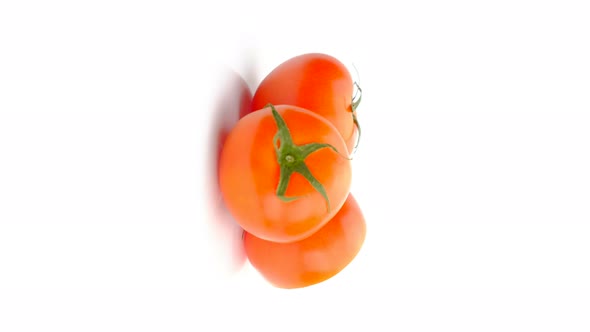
column 317, row 82
column 284, row 173
column 315, row 258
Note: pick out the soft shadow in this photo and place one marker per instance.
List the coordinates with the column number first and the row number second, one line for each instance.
column 234, row 99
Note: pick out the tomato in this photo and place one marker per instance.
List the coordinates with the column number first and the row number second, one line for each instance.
column 317, row 82
column 283, row 173
column 313, row 259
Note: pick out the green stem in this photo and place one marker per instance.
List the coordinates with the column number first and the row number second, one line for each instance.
column 291, row 159
column 355, row 104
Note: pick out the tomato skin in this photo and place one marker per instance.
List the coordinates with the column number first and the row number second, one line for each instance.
column 315, row 258
column 249, row 174
column 314, row 81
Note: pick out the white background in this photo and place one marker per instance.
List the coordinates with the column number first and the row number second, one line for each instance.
column 472, row 173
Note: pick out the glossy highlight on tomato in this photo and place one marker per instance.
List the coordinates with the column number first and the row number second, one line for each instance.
column 315, row 258
column 317, row 82
column 283, row 174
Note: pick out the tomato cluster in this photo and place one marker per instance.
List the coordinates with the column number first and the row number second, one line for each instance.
column 285, row 172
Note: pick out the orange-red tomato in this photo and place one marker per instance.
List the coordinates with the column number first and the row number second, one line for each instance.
column 315, row 258
column 317, row 82
column 284, row 174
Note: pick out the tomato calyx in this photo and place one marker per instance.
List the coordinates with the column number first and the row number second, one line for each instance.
column 356, row 101
column 291, row 159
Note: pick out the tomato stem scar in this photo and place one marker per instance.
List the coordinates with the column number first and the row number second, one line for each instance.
column 291, row 159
